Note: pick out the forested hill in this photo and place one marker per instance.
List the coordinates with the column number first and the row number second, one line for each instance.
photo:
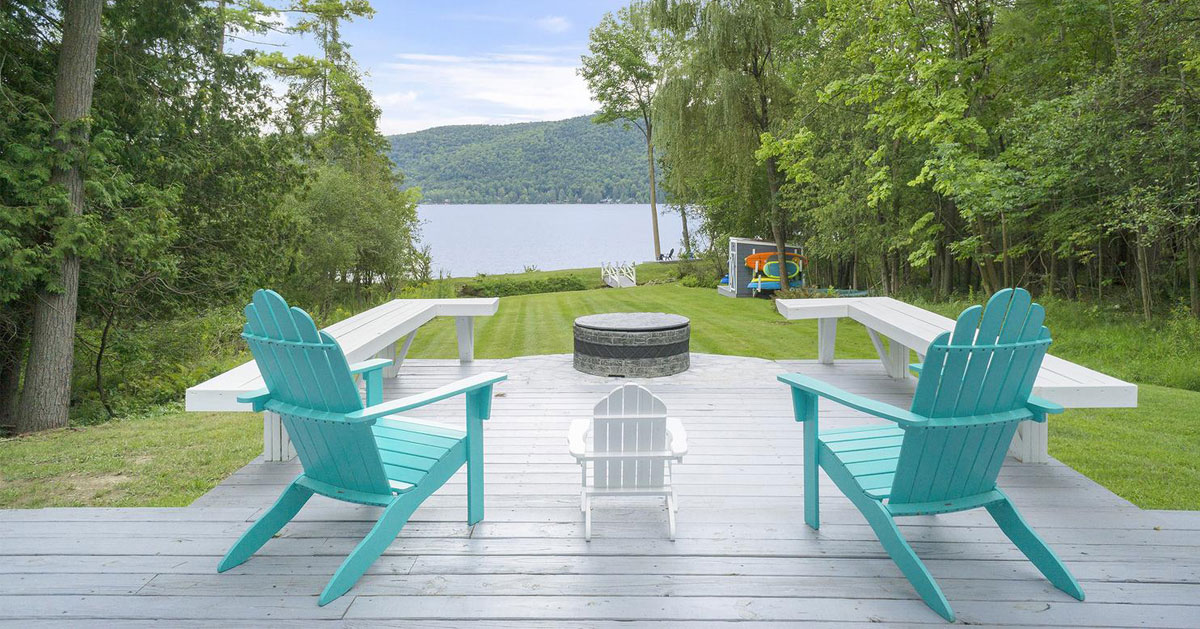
column 565, row 161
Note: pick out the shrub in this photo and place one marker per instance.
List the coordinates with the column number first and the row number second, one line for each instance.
column 496, row 287
column 704, row 271
column 805, row 292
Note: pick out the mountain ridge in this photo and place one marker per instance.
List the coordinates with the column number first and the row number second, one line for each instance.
column 561, row 161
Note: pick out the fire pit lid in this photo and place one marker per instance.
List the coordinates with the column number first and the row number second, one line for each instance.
column 632, row 321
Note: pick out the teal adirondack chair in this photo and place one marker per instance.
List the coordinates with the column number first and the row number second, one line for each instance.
column 350, row 452
column 945, row 452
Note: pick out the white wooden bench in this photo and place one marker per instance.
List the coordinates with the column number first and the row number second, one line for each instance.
column 906, row 327
column 386, row 331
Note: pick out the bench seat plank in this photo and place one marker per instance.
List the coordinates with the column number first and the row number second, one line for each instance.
column 361, row 336
column 1061, row 381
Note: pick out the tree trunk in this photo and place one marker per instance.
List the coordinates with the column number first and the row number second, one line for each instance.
column 654, row 197
column 10, row 381
column 1143, row 264
column 778, row 224
column 99, row 365
column 1193, row 267
column 224, row 26
column 12, row 348
column 47, row 392
column 854, row 272
column 1006, row 264
column 1071, row 285
column 947, row 271
column 1052, row 274
column 883, row 270
column 687, row 236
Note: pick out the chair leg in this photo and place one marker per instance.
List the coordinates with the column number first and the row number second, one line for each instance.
column 812, row 476
column 280, row 513
column 474, row 480
column 1017, row 530
column 671, row 506
column 898, row 549
column 394, row 517
column 587, row 520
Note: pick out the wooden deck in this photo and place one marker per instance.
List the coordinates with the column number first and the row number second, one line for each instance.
column 743, row 552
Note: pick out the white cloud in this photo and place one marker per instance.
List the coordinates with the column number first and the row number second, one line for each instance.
column 392, row 99
column 554, row 24
column 416, row 56
column 493, row 88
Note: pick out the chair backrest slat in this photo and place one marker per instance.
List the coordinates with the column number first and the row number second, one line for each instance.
column 629, row 420
column 987, row 365
column 306, row 368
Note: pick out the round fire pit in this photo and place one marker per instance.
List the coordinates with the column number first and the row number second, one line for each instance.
column 632, row 344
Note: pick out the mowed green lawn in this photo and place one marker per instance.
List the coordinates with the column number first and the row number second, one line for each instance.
column 541, row 324
column 1148, row 455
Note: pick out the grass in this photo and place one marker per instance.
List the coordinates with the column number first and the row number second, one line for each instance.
column 1148, row 455
column 1112, row 340
column 541, row 324
column 163, row 459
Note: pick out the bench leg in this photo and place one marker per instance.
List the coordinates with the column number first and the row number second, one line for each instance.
column 396, row 352
column 1031, row 444
column 826, row 339
column 897, row 365
column 277, row 445
column 894, row 357
column 466, row 338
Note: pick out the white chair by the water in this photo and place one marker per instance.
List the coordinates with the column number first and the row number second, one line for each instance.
column 630, row 443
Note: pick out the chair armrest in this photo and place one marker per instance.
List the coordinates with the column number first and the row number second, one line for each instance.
column 466, row 385
column 916, row 368
column 577, row 438
column 369, row 365
column 258, row 398
column 372, row 373
column 678, row 436
column 879, row 409
column 1042, row 407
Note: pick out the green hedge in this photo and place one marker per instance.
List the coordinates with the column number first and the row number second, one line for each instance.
column 496, row 287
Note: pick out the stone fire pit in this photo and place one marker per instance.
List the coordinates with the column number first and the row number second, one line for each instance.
column 632, row 344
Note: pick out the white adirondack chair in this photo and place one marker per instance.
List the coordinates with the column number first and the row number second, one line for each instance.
column 630, row 443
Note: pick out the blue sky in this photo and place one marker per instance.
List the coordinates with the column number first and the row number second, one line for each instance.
column 469, row 62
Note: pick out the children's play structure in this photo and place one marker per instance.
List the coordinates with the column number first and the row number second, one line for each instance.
column 754, row 268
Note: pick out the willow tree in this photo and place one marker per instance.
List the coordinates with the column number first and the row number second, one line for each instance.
column 47, row 390
column 721, row 95
column 623, row 72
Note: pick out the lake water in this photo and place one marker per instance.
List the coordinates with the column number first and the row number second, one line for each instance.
column 469, row 239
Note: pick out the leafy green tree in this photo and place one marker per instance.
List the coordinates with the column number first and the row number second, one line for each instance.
column 354, row 231
column 623, row 72
column 720, row 95
column 46, row 394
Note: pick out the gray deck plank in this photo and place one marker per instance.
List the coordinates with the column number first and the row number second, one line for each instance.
column 742, row 555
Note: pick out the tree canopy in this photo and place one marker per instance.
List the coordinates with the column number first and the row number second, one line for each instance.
column 200, row 184
column 948, row 144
